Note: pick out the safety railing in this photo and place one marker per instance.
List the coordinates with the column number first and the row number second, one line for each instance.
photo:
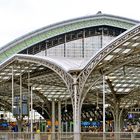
column 70, row 136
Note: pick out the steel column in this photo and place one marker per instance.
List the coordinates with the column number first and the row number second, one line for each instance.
column 20, row 106
column 104, row 103
column 65, row 41
column 31, row 113
column 12, row 91
column 20, row 96
column 53, row 116
column 28, row 98
column 117, row 121
column 59, row 116
column 83, row 43
column 76, row 112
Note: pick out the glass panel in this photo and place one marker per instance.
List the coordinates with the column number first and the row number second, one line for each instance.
column 57, row 51
column 75, row 48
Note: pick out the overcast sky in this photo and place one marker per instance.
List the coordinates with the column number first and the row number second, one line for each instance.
column 18, row 17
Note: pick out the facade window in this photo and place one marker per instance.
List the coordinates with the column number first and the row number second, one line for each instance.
column 72, row 44
column 74, row 49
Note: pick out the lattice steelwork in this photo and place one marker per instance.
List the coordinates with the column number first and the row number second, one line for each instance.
column 119, row 62
column 46, row 83
column 77, row 44
column 80, row 81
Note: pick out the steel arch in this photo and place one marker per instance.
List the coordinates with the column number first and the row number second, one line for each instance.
column 65, row 76
column 98, row 59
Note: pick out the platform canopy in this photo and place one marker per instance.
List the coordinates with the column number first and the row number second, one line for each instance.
column 52, row 78
column 119, row 63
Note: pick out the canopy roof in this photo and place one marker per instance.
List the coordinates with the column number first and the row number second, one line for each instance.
column 119, row 62
column 50, row 77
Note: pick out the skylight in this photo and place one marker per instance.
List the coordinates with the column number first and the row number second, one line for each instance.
column 108, row 57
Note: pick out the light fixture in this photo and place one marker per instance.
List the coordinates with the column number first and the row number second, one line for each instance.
column 90, row 119
column 97, row 107
column 66, row 106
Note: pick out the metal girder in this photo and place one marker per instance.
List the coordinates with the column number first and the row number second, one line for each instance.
column 23, row 64
column 111, row 87
column 5, row 104
column 105, row 55
column 41, row 96
column 67, row 78
column 48, row 82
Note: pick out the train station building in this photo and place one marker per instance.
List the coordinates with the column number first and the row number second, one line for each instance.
column 74, row 72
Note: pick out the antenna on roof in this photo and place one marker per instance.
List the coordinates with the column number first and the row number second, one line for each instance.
column 99, row 12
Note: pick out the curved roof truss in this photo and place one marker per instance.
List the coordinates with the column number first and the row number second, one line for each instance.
column 48, row 79
column 41, row 61
column 119, row 61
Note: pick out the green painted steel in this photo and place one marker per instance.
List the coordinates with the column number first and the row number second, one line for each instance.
column 45, row 33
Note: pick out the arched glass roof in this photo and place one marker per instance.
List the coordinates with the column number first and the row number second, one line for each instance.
column 119, row 62
column 60, row 28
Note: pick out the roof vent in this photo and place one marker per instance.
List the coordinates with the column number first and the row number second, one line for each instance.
column 99, row 12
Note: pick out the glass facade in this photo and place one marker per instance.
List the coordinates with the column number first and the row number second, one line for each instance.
column 83, row 43
column 81, row 48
